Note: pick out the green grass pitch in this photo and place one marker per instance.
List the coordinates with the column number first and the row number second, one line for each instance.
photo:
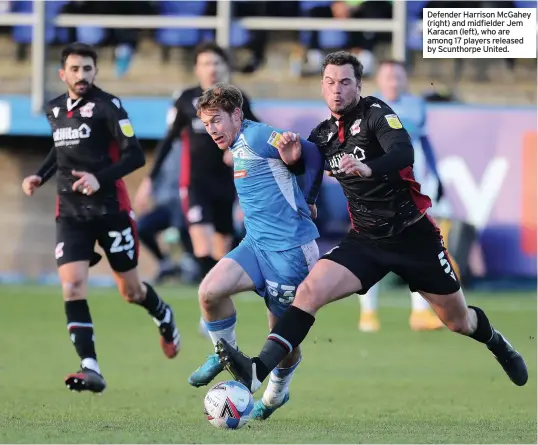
column 395, row 386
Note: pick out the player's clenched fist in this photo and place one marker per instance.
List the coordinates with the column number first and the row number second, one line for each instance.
column 352, row 166
column 30, row 183
column 87, row 184
column 289, row 147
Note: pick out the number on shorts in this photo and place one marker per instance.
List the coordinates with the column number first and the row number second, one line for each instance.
column 123, row 241
column 284, row 293
column 445, row 264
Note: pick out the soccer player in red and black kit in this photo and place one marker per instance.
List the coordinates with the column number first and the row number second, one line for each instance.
column 94, row 148
column 370, row 154
column 206, row 182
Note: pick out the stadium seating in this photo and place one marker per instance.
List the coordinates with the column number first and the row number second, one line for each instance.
column 23, row 34
column 327, row 39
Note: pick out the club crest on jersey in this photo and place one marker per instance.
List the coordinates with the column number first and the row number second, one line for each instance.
column 356, row 127
column 126, row 128
column 393, row 121
column 87, row 110
column 274, row 138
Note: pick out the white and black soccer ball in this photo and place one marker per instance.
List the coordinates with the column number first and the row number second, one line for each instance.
column 228, row 405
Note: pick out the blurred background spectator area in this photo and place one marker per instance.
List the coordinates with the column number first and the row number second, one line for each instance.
column 277, row 46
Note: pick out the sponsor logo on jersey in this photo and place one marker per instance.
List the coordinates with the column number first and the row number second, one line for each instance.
column 393, row 121
column 356, row 127
column 334, row 161
column 87, row 110
column 71, row 136
column 240, row 174
column 126, row 128
column 274, row 138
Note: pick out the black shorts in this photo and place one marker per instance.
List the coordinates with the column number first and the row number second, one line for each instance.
column 204, row 204
column 116, row 234
column 417, row 255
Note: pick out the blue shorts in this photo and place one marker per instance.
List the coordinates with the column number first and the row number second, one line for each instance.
column 276, row 275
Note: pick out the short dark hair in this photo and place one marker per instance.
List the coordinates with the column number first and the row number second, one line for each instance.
column 341, row 58
column 211, row 47
column 222, row 96
column 392, row 62
column 78, row 49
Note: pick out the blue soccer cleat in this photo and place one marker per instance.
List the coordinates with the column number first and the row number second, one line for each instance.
column 207, row 372
column 262, row 412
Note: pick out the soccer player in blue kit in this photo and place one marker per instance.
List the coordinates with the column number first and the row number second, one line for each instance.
column 279, row 248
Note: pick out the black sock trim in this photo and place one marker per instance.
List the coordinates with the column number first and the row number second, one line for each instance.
column 153, row 303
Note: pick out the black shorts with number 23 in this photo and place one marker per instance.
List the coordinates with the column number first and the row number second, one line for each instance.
column 116, row 234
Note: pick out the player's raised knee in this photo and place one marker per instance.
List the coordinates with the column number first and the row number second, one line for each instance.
column 209, row 293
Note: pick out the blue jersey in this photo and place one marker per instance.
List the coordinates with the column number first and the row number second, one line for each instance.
column 277, row 216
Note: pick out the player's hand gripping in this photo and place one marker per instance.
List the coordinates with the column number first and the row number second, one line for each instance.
column 289, row 147
column 87, row 184
column 352, row 166
column 30, row 184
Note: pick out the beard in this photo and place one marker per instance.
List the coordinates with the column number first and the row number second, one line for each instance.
column 345, row 108
column 75, row 88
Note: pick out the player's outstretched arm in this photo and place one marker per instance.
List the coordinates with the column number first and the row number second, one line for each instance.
column 314, row 164
column 394, row 140
column 131, row 154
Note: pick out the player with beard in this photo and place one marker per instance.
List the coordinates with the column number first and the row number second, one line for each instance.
column 94, row 148
column 370, row 154
column 206, row 182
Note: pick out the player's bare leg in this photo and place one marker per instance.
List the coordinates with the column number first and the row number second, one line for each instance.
column 202, row 244
column 422, row 318
column 218, row 311
column 471, row 321
column 327, row 282
column 74, row 279
column 133, row 290
column 277, row 392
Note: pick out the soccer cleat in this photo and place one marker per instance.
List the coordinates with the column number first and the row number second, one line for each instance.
column 424, row 320
column 262, row 412
column 207, row 372
column 369, row 322
column 85, row 380
column 240, row 366
column 170, row 342
column 511, row 360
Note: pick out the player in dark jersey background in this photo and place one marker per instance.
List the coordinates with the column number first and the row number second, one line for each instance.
column 371, row 155
column 206, row 182
column 94, row 148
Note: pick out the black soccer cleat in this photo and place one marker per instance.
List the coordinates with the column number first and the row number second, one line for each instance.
column 511, row 360
column 170, row 340
column 240, row 366
column 85, row 380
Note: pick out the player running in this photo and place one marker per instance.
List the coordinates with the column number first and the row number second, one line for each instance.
column 206, row 182
column 392, row 82
column 370, row 154
column 94, row 148
column 279, row 247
